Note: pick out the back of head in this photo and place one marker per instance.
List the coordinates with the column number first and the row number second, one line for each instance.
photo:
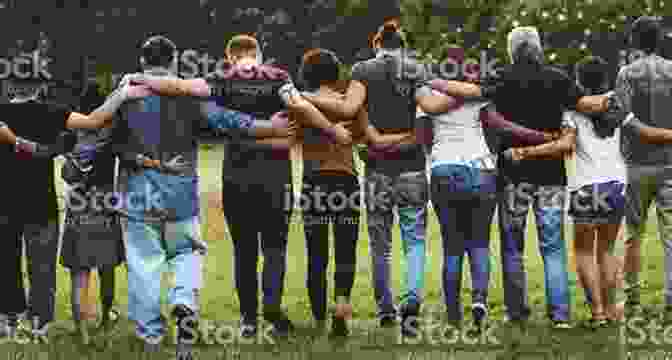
column 389, row 37
column 646, row 34
column 592, row 73
column 243, row 46
column 318, row 67
column 524, row 47
column 159, row 51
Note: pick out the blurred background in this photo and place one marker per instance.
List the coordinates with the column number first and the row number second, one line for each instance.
column 92, row 42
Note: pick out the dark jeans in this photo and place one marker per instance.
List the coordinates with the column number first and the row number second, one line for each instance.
column 465, row 201
column 258, row 213
column 343, row 212
column 548, row 203
column 41, row 242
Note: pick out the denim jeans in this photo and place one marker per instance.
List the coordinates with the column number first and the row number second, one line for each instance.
column 548, row 205
column 151, row 248
column 465, row 200
column 408, row 193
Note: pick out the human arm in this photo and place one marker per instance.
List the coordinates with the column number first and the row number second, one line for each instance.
column 435, row 103
column 167, row 86
column 648, row 134
column 222, row 119
column 458, row 89
column 104, row 114
column 347, row 106
column 520, row 135
column 564, row 145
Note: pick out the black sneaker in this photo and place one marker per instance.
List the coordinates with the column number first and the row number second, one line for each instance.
column 479, row 313
column 187, row 324
column 388, row 320
column 339, row 327
column 248, row 328
column 282, row 326
column 410, row 326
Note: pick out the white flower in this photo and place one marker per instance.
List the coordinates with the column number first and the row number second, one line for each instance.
column 515, row 23
column 612, row 26
column 553, row 56
column 544, row 14
column 583, row 46
column 562, row 17
column 523, row 13
column 579, row 14
column 587, row 32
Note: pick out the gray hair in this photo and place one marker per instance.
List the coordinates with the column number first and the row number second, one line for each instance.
column 523, row 35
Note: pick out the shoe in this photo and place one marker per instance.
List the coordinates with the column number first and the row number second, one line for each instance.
column 561, row 325
column 187, row 324
column 410, row 325
column 248, row 328
column 388, row 320
column 282, row 326
column 479, row 313
column 109, row 321
column 339, row 327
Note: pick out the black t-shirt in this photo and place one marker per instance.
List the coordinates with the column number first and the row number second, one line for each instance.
column 537, row 100
column 254, row 90
column 28, row 185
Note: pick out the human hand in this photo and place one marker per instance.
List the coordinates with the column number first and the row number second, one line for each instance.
column 342, row 135
column 176, row 165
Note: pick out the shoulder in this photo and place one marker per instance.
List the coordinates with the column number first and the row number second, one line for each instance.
column 556, row 73
column 53, row 107
column 365, row 67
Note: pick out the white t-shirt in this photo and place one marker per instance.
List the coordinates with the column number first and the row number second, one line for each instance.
column 598, row 160
column 459, row 138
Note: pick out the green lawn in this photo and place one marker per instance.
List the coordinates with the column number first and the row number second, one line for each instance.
column 220, row 303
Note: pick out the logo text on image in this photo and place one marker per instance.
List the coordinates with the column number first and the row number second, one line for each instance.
column 213, row 333
column 453, row 66
column 639, row 331
column 313, row 198
column 12, row 67
column 433, row 332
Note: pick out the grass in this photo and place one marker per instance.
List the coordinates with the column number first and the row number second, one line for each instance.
column 220, row 303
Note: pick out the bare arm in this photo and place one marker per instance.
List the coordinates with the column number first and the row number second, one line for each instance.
column 456, row 88
column 520, row 134
column 555, row 149
column 7, row 136
column 171, row 86
column 593, row 104
column 346, row 107
column 648, row 134
column 436, row 103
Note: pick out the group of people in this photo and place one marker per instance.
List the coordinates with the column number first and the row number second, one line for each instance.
column 146, row 214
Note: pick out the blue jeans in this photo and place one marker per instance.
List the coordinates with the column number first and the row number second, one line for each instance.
column 407, row 192
column 548, row 205
column 150, row 248
column 465, row 200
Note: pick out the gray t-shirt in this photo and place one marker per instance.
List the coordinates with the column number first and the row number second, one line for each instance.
column 644, row 88
column 392, row 79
